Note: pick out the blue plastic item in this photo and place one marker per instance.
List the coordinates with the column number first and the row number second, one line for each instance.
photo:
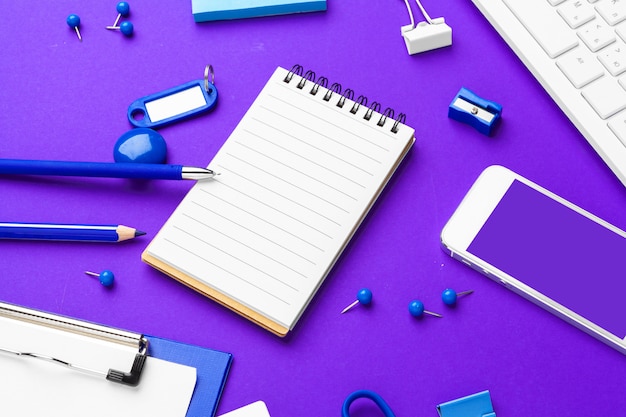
column 364, row 296
column 123, row 8
column 92, row 169
column 140, row 145
column 174, row 104
column 106, row 277
column 378, row 400
column 127, row 28
column 209, row 10
column 416, row 309
column 467, row 107
column 449, row 296
column 73, row 21
column 476, row 405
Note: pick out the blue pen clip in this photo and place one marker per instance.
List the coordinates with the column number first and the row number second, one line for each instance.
column 476, row 405
column 469, row 108
column 174, row 104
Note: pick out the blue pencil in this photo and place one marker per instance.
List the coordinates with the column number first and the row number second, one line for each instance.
column 68, row 232
column 103, row 169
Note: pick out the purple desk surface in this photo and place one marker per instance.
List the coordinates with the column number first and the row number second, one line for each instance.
column 65, row 99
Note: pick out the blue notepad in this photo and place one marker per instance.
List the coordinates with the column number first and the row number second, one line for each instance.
column 212, row 368
column 207, row 10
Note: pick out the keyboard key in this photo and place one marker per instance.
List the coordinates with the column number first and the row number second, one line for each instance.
column 614, row 58
column 621, row 31
column 606, row 96
column 580, row 67
column 545, row 25
column 576, row 13
column 555, row 2
column 617, row 124
column 597, row 36
column 612, row 11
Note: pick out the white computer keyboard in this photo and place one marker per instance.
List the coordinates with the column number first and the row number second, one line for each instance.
column 577, row 50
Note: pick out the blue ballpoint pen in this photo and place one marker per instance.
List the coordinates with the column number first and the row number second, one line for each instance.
column 103, row 169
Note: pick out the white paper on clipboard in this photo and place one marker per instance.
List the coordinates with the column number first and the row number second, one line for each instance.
column 33, row 387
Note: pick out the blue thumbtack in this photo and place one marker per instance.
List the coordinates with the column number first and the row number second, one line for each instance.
column 364, row 296
column 73, row 21
column 106, row 277
column 469, row 108
column 449, row 296
column 126, row 28
column 123, row 9
column 416, row 308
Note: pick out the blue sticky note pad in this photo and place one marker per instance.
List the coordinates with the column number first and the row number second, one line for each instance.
column 207, row 10
column 476, row 405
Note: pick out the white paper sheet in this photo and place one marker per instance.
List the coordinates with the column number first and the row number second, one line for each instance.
column 256, row 409
column 34, row 387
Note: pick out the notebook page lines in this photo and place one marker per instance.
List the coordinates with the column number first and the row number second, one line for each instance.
column 296, row 175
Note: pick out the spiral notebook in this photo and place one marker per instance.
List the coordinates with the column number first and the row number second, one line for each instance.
column 297, row 176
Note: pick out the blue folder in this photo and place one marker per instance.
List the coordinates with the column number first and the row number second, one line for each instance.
column 212, row 369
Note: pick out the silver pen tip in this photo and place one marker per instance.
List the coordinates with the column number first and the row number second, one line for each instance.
column 195, row 173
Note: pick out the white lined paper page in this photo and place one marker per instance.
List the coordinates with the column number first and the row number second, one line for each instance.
column 297, row 176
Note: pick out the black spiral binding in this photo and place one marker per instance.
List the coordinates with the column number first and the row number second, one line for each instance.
column 347, row 94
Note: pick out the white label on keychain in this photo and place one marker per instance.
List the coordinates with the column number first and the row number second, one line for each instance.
column 175, row 104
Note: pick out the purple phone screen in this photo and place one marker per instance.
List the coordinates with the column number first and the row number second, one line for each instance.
column 558, row 252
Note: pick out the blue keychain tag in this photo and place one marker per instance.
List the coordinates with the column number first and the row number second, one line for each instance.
column 175, row 104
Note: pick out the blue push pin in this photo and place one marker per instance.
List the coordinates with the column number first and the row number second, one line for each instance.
column 364, row 296
column 449, row 296
column 416, row 308
column 123, row 9
column 126, row 28
column 73, row 21
column 106, row 277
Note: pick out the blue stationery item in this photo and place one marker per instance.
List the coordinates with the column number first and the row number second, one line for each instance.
column 142, row 145
column 212, row 369
column 73, row 21
column 175, row 104
column 476, row 405
column 67, row 232
column 467, row 107
column 378, row 400
column 106, row 277
column 103, row 169
column 207, row 10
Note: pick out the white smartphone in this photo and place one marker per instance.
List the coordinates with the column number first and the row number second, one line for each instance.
column 544, row 248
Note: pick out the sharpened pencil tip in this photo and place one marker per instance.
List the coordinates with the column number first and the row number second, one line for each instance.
column 139, row 233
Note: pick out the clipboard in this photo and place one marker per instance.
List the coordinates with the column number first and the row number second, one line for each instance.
column 103, row 367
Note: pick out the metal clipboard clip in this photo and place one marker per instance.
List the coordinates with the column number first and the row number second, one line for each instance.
column 82, row 328
column 469, row 108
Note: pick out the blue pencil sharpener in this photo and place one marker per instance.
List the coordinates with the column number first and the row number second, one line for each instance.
column 467, row 107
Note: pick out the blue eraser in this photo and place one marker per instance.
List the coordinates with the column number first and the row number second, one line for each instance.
column 142, row 145
column 209, row 10
column 482, row 114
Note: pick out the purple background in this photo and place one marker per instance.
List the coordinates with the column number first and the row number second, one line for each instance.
column 63, row 99
column 559, row 253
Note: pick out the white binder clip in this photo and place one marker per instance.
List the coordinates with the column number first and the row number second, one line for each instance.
column 426, row 36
